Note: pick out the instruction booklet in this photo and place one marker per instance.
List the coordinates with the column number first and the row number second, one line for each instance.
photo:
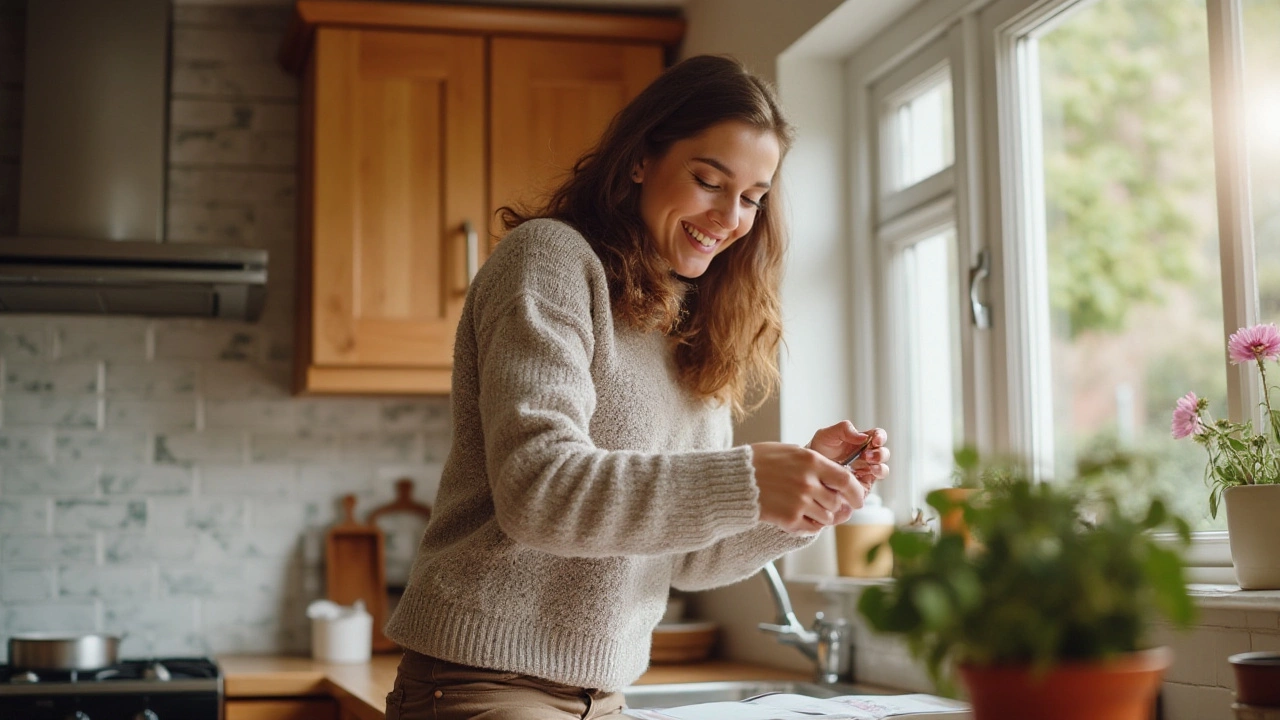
column 782, row 706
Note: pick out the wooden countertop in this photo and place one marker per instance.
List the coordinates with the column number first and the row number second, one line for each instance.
column 361, row 689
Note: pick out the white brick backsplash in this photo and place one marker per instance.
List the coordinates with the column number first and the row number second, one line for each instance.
column 1264, row 641
column 154, row 628
column 48, row 479
column 49, row 411
column 152, row 414
column 25, row 339
column 252, row 414
column 268, row 513
column 195, row 514
column 1225, row 644
column 328, row 415
column 146, row 480
column 90, row 338
column 70, row 516
column 47, row 550
column 151, row 380
column 19, row 444
column 205, row 446
column 1221, row 618
column 248, row 480
column 385, row 447
column 57, row 616
column 246, row 381
column 188, row 502
column 267, row 447
column 430, row 416
column 1263, row 620
column 1194, row 661
column 101, row 446
column 276, row 188
column 24, row 514
column 1192, row 702
column 206, row 339
column 66, row 378
column 156, row 546
column 106, row 581
column 276, row 542
column 330, row 480
column 18, row 584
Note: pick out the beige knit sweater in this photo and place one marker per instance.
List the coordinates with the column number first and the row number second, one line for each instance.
column 582, row 482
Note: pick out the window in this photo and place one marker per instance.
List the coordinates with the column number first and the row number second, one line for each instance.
column 920, row 243
column 1076, row 144
column 1123, row 137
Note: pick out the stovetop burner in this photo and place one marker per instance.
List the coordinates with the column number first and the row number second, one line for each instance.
column 149, row 670
column 153, row 676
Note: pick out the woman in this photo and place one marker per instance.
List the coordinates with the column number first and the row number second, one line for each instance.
column 600, row 353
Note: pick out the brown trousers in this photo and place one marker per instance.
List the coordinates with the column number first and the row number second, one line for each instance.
column 431, row 689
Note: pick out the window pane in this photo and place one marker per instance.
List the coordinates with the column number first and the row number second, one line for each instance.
column 1262, row 113
column 922, row 133
column 1132, row 250
column 934, row 411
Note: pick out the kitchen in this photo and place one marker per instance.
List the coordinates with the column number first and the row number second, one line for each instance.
column 161, row 478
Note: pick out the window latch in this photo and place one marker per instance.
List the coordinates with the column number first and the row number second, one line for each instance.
column 981, row 311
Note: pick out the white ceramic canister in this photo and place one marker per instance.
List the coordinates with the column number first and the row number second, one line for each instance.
column 869, row 526
column 340, row 634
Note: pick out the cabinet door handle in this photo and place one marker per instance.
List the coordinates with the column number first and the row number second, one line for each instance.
column 473, row 250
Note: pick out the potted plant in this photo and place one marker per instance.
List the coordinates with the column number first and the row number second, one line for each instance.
column 966, row 476
column 1046, row 617
column 1243, row 468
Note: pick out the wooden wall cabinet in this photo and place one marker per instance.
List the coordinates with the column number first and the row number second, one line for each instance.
column 417, row 123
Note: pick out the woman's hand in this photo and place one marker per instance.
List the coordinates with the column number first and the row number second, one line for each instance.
column 801, row 490
column 843, row 439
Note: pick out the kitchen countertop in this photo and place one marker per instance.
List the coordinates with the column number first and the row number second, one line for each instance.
column 361, row 689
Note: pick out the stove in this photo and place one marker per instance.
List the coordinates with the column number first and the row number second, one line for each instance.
column 152, row 689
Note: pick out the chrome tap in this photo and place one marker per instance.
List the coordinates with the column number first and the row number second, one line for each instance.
column 829, row 644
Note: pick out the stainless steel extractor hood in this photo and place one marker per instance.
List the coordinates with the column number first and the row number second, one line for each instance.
column 91, row 213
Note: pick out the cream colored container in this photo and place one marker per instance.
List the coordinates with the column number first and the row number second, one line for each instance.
column 340, row 634
column 869, row 526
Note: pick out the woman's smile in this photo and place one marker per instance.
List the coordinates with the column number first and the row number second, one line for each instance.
column 705, row 191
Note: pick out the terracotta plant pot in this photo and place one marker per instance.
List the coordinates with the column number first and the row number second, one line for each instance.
column 1120, row 689
column 1254, row 535
column 952, row 521
column 1257, row 678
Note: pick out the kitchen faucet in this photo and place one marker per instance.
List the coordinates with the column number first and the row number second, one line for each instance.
column 829, row 644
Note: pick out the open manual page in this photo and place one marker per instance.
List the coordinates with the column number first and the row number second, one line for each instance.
column 780, row 706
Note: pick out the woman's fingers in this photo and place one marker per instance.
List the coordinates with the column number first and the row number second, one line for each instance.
column 800, row 490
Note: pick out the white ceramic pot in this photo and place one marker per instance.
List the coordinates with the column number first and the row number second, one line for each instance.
column 1253, row 528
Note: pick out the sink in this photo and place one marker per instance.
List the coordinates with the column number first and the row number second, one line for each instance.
column 677, row 694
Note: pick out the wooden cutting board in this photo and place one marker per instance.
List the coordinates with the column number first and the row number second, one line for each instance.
column 354, row 569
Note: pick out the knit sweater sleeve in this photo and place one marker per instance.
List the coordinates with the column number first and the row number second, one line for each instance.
column 734, row 558
column 536, row 321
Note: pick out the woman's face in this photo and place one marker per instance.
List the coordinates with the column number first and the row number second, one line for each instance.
column 704, row 193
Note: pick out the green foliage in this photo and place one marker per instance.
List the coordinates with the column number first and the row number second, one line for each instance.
column 1042, row 585
column 1127, row 133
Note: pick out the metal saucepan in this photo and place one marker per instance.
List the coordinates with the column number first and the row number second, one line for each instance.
column 63, row 651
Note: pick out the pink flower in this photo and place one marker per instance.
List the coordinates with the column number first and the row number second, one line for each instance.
column 1256, row 342
column 1186, row 417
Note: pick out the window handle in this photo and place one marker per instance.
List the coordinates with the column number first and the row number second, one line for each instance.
column 981, row 311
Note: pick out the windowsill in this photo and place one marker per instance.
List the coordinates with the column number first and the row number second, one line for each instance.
column 1208, row 596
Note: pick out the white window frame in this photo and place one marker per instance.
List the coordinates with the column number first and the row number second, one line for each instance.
column 993, row 195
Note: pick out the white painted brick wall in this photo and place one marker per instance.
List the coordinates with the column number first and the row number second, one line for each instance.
column 156, row 475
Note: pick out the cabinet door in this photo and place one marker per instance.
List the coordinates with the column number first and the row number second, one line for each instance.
column 292, row 709
column 551, row 100
column 398, row 168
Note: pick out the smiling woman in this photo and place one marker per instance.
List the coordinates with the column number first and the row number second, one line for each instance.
column 601, row 351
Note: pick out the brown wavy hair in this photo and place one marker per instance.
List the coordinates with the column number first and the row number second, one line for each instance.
column 725, row 326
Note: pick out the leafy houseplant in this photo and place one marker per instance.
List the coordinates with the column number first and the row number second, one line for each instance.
column 1243, row 467
column 1042, row 601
